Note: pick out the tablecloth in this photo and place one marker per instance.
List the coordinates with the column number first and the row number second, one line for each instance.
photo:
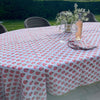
column 36, row 60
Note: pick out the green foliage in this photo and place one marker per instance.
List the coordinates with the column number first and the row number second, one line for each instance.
column 72, row 0
column 21, row 9
column 86, row 0
column 15, row 9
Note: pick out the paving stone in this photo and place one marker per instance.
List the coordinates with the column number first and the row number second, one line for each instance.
column 91, row 89
column 95, row 96
column 90, row 92
column 62, row 97
column 98, row 85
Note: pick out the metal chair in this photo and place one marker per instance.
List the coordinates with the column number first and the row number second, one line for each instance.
column 35, row 22
column 2, row 29
column 91, row 18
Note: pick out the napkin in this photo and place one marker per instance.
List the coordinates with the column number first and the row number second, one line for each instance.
column 80, row 45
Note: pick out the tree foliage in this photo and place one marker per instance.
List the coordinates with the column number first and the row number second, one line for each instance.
column 21, row 9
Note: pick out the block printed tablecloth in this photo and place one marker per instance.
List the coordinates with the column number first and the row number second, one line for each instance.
column 36, row 60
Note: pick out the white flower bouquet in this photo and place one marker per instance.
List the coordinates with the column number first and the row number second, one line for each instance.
column 65, row 17
column 71, row 17
column 83, row 12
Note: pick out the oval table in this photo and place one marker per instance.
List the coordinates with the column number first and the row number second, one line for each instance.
column 36, row 60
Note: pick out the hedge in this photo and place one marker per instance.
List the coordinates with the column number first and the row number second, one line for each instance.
column 21, row 9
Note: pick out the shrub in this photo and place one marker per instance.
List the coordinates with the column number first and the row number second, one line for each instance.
column 21, row 9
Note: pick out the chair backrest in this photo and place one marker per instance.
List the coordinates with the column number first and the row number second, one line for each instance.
column 2, row 29
column 35, row 22
column 91, row 17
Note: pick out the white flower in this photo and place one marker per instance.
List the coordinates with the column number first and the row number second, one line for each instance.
column 86, row 19
column 71, row 17
column 75, row 5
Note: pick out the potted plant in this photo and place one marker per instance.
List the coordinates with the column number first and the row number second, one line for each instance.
column 68, row 18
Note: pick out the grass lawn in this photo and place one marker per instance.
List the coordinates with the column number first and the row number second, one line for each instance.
column 18, row 24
